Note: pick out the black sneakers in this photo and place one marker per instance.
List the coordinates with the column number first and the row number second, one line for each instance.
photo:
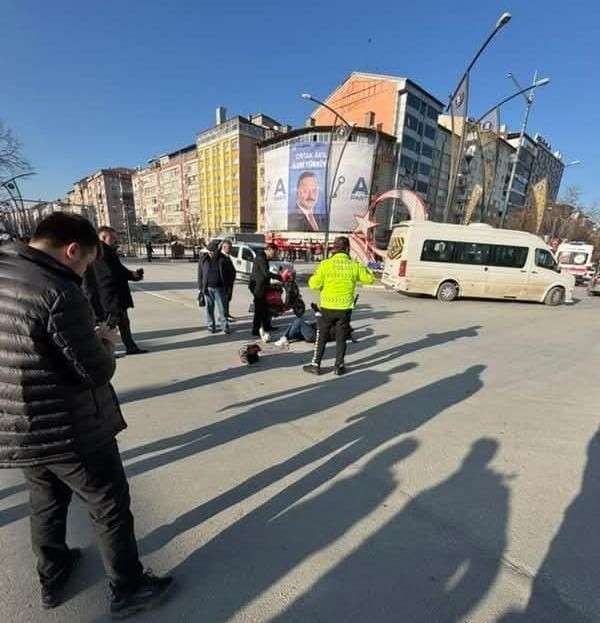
column 151, row 592
column 311, row 368
column 52, row 593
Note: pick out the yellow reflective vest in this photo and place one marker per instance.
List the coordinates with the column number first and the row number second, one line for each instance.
column 336, row 279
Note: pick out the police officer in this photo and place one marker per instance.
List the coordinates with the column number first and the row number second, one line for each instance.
column 336, row 279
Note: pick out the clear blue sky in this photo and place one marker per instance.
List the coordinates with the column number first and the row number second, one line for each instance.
column 90, row 84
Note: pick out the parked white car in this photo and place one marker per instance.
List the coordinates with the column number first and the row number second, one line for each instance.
column 243, row 254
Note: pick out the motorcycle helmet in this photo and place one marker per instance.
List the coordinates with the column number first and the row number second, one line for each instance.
column 287, row 274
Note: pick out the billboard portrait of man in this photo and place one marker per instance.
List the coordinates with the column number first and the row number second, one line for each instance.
column 307, row 189
column 303, row 216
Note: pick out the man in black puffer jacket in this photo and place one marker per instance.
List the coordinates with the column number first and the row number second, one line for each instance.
column 59, row 414
column 106, row 285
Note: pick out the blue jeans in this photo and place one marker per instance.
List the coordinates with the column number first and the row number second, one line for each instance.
column 299, row 330
column 216, row 297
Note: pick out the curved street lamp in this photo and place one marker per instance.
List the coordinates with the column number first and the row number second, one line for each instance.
column 329, row 191
column 455, row 166
column 308, row 96
column 529, row 90
column 11, row 185
column 538, row 83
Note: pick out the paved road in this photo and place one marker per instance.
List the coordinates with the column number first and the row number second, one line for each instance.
column 453, row 475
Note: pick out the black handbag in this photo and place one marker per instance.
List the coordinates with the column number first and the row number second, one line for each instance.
column 201, row 300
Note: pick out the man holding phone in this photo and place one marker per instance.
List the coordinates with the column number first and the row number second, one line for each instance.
column 107, row 287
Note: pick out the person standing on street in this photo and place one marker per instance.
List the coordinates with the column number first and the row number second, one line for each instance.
column 59, row 415
column 336, row 279
column 226, row 251
column 260, row 278
column 110, row 279
column 149, row 250
column 215, row 280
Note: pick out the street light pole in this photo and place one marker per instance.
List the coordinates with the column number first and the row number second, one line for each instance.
column 329, row 188
column 513, row 171
column 10, row 185
column 455, row 166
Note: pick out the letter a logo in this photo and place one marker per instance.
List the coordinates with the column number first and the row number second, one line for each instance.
column 280, row 188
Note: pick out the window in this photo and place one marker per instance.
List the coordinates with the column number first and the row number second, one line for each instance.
column 544, row 259
column 410, row 143
column 427, row 151
column 408, row 163
column 425, row 169
column 573, row 257
column 430, row 132
column 247, row 254
column 437, row 251
column 413, row 101
column 369, row 118
column 411, row 122
column 432, row 113
column 422, row 187
column 235, row 250
column 472, row 253
column 513, row 257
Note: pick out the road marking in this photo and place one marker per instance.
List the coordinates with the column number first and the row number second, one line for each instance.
column 163, row 297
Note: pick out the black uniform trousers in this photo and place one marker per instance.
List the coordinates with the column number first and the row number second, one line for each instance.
column 125, row 331
column 99, row 480
column 339, row 320
column 261, row 316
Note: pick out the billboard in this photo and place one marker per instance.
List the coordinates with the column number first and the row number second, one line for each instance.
column 296, row 187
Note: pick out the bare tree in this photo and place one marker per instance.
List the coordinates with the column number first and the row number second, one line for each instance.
column 12, row 160
column 571, row 196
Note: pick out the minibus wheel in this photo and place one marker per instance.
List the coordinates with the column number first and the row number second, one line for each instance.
column 447, row 292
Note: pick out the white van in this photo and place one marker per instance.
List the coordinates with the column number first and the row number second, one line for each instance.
column 576, row 258
column 448, row 261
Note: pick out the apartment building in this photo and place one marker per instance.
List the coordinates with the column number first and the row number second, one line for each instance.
column 166, row 194
column 110, row 193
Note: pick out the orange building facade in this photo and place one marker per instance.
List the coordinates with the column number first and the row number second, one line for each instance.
column 396, row 106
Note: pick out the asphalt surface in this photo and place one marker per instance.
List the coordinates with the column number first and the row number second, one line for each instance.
column 452, row 475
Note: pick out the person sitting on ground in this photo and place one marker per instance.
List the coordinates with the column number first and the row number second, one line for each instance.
column 301, row 330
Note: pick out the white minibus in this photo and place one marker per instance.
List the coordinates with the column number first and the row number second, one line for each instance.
column 451, row 261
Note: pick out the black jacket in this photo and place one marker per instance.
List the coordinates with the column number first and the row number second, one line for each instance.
column 56, row 402
column 226, row 270
column 260, row 276
column 106, row 284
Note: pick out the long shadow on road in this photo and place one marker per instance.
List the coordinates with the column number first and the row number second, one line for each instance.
column 566, row 588
column 278, row 360
column 422, row 566
column 365, row 433
column 247, row 558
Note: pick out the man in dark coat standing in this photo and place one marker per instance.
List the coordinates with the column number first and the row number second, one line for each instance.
column 260, row 278
column 59, row 415
column 107, row 282
column 215, row 281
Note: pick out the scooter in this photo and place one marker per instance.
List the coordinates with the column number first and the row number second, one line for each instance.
column 284, row 296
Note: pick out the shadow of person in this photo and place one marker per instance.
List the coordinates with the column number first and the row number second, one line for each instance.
column 248, row 557
column 433, row 562
column 14, row 513
column 381, row 357
column 296, row 405
column 12, row 490
column 566, row 588
column 279, row 360
column 433, row 339
column 363, row 435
